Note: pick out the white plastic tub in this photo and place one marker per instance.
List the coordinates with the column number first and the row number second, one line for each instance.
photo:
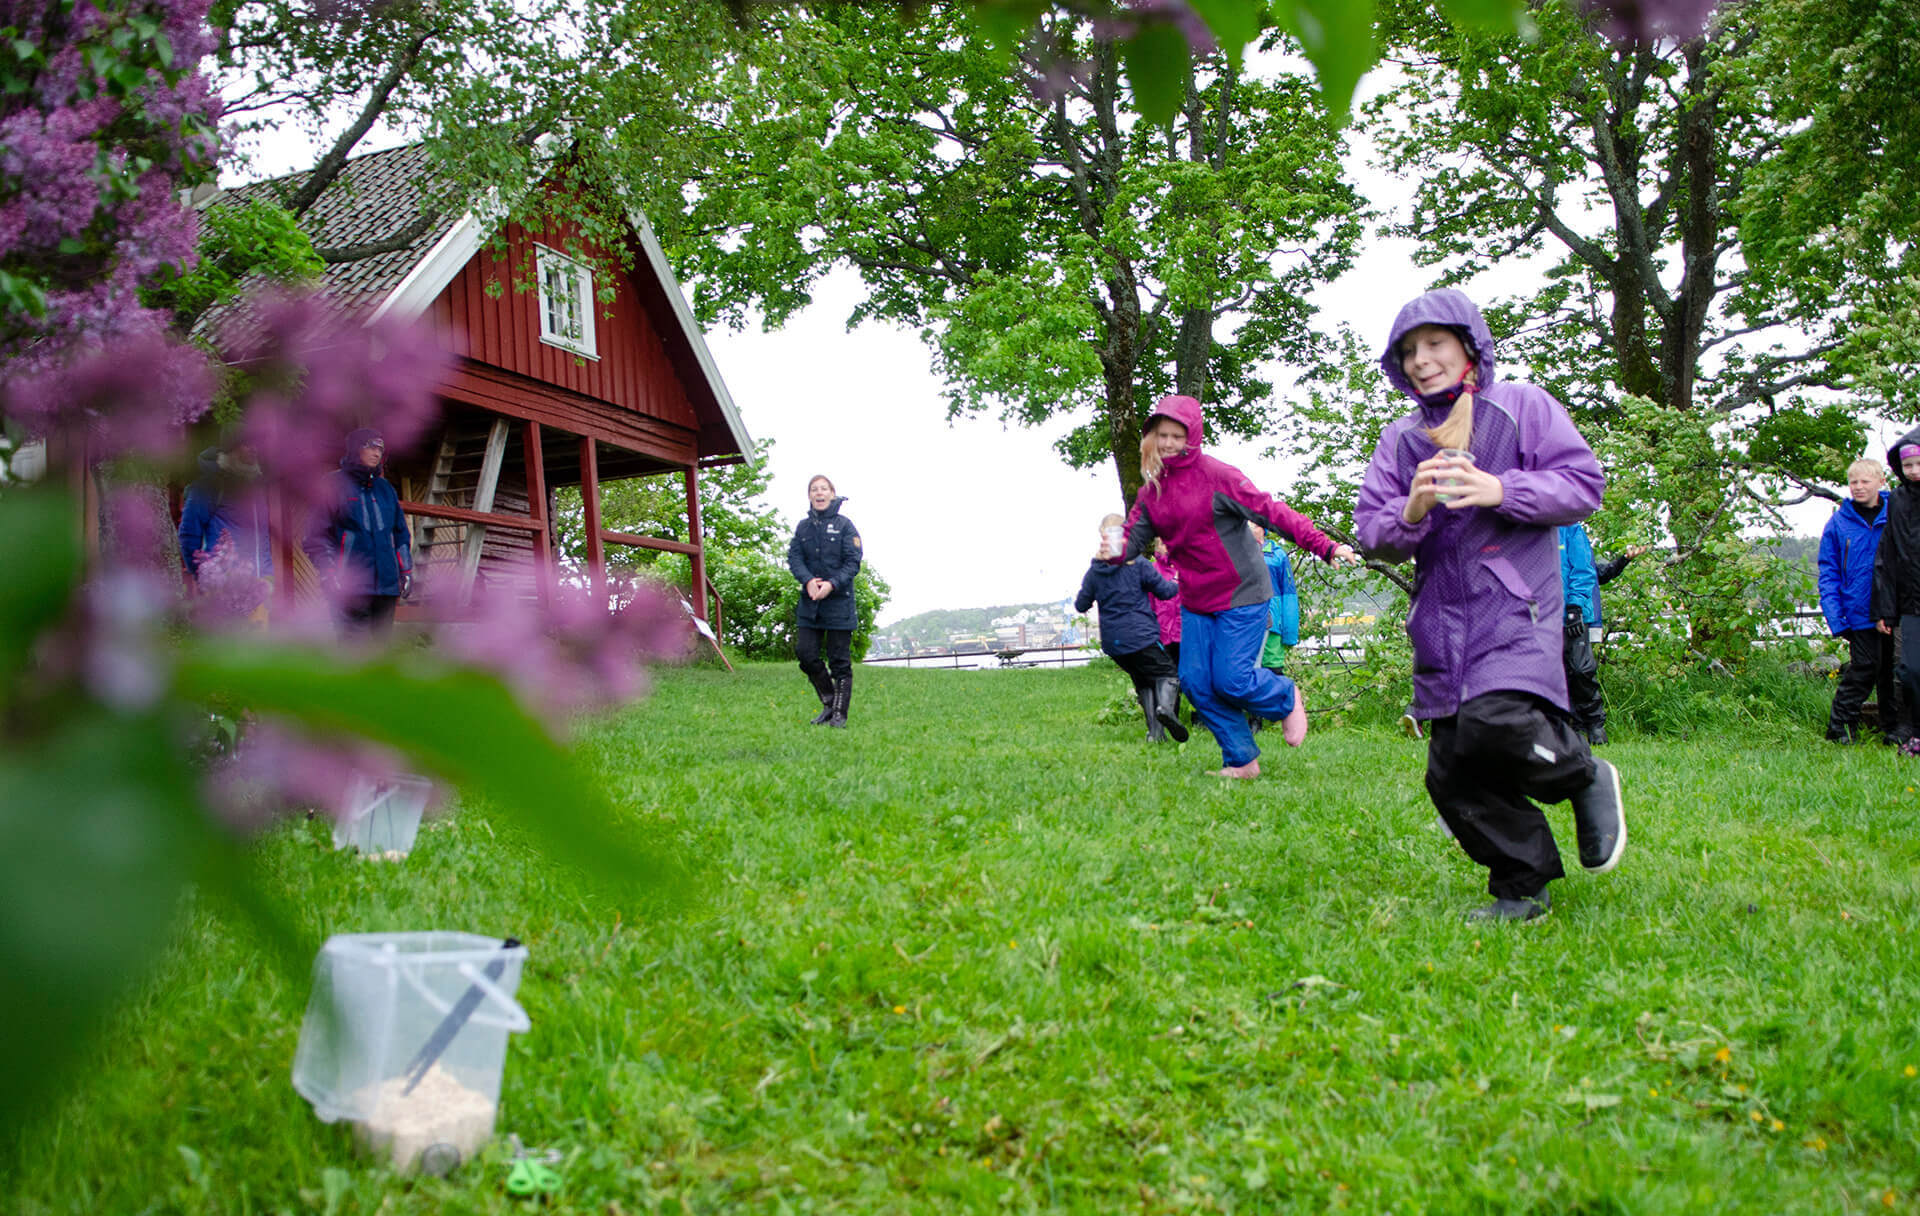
column 382, row 818
column 430, row 1011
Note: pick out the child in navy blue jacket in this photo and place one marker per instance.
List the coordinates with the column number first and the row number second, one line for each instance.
column 1129, row 631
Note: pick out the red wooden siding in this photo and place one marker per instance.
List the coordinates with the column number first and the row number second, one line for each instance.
column 633, row 374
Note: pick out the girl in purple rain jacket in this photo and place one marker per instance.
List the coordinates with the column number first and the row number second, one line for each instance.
column 1487, row 603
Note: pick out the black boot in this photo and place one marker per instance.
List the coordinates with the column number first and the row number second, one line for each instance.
column 1147, row 699
column 822, row 688
column 1166, row 707
column 842, row 698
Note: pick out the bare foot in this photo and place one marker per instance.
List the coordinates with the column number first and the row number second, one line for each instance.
column 1293, row 728
column 1239, row 772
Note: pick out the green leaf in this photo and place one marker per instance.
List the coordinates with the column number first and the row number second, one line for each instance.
column 1234, row 22
column 1492, row 16
column 460, row 725
column 1157, row 63
column 99, row 835
column 40, row 552
column 1337, row 36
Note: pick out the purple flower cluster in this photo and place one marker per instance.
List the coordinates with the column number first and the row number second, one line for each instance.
column 276, row 769
column 313, row 375
column 579, row 651
column 1648, row 21
column 98, row 123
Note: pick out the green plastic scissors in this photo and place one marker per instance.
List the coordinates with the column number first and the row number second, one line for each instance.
column 530, row 1177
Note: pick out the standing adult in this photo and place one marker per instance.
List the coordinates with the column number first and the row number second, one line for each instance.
column 1848, row 545
column 358, row 541
column 225, row 512
column 1473, row 485
column 1896, row 579
column 824, row 556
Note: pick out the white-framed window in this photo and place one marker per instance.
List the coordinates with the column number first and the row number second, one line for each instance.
column 566, row 302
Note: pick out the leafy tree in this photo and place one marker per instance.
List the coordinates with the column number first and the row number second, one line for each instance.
column 1062, row 256
column 1630, row 161
column 732, row 519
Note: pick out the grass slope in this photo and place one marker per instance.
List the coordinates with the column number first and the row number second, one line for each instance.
column 978, row 953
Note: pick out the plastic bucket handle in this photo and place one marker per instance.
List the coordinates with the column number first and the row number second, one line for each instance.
column 514, row 1019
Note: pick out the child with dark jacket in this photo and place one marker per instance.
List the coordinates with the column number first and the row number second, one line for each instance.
column 1896, row 577
column 1130, row 631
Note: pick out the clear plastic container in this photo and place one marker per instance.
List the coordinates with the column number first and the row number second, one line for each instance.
column 382, row 817
column 405, row 1036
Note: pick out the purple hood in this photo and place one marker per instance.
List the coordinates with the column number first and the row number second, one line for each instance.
column 1452, row 309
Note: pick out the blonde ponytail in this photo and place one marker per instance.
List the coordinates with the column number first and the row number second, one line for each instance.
column 1150, row 461
column 1457, row 430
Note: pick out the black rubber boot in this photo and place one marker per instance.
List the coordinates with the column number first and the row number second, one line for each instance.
column 1166, row 707
column 1148, row 706
column 822, row 688
column 842, row 699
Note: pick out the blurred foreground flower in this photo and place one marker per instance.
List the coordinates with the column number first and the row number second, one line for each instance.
column 1644, row 22
column 579, row 652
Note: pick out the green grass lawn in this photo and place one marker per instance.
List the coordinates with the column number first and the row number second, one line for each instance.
column 982, row 953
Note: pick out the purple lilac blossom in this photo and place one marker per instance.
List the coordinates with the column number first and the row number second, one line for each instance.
column 576, row 653
column 319, row 374
column 229, row 588
column 277, row 769
column 1649, row 21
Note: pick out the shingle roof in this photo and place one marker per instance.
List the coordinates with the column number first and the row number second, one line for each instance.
column 375, row 197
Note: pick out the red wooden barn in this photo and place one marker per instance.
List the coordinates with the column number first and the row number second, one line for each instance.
column 552, row 384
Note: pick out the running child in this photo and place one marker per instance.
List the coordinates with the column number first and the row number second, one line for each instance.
column 1201, row 507
column 1129, row 633
column 1473, row 485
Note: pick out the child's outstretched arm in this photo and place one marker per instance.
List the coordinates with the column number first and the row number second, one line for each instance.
column 1157, row 583
column 1140, row 532
column 1276, row 516
column 1084, row 600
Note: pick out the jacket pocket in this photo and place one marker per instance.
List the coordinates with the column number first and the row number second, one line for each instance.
column 1516, row 586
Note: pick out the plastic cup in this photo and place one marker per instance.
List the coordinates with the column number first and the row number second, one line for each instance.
column 1448, row 486
column 1116, row 540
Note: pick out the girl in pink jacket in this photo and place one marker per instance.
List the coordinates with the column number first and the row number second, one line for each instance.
column 1201, row 507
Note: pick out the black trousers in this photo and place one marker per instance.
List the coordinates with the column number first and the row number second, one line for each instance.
column 368, row 616
column 1583, row 674
column 1485, row 766
column 1146, row 667
column 807, row 643
column 1906, row 672
column 1869, row 669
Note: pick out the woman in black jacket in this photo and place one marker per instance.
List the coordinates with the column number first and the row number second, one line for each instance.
column 825, row 555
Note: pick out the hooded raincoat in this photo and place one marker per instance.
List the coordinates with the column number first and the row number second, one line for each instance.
column 1896, row 568
column 1848, row 546
column 358, row 534
column 223, row 503
column 1201, row 508
column 1487, row 601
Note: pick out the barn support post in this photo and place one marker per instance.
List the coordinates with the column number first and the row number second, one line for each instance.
column 699, row 556
column 286, row 534
column 483, row 494
column 543, row 562
column 590, row 499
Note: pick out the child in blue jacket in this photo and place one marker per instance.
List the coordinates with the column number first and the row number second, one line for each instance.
column 1130, row 633
column 1848, row 545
